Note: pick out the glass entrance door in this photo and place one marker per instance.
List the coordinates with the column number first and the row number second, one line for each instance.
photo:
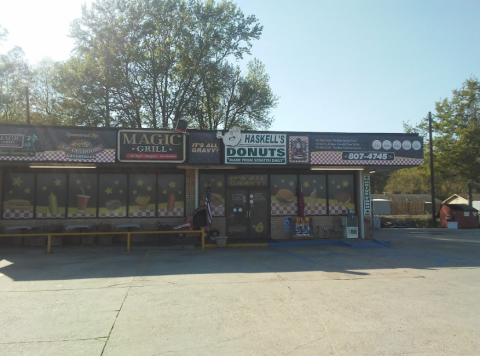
column 247, row 213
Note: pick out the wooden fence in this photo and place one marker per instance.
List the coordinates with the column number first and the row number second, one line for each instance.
column 408, row 208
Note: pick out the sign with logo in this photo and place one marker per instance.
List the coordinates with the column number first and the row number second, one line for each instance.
column 151, row 146
column 254, row 148
column 360, row 149
column 203, row 148
column 49, row 144
column 287, row 223
column 367, row 199
column 302, row 227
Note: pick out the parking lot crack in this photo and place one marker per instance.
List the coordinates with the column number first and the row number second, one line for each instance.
column 99, row 338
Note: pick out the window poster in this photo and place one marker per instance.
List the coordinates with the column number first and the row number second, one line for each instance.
column 314, row 189
column 341, row 194
column 82, row 196
column 112, row 196
column 298, row 149
column 217, row 183
column 283, row 193
column 51, row 196
column 142, row 192
column 171, row 195
column 18, row 196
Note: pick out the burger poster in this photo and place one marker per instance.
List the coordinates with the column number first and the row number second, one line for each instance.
column 112, row 195
column 171, row 195
column 51, row 195
column 19, row 196
column 284, row 200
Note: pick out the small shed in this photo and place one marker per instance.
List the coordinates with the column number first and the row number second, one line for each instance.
column 381, row 206
column 464, row 215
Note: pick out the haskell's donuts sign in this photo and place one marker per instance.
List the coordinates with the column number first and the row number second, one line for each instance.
column 254, row 148
column 152, row 146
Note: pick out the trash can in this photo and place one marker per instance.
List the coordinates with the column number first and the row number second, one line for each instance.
column 464, row 215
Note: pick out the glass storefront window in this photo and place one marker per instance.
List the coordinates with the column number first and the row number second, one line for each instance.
column 18, row 196
column 314, row 189
column 82, row 196
column 341, row 193
column 217, row 183
column 283, row 192
column 171, row 195
column 112, row 196
column 51, row 195
column 142, row 193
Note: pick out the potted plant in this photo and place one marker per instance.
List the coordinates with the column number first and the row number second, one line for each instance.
column 221, row 241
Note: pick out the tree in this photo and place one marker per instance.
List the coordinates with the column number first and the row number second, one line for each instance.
column 457, row 131
column 14, row 78
column 225, row 99
column 45, row 100
column 156, row 59
column 456, row 141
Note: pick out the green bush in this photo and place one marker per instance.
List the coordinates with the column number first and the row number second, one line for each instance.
column 414, row 221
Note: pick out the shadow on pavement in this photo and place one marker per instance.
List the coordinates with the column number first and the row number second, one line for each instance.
column 409, row 249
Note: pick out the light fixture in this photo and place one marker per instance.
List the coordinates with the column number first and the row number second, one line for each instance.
column 336, row 169
column 371, row 172
column 66, row 167
column 206, row 167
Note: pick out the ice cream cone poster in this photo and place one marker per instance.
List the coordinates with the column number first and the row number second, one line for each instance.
column 171, row 195
column 82, row 196
column 51, row 196
column 315, row 194
column 142, row 192
column 112, row 195
column 341, row 194
column 18, row 196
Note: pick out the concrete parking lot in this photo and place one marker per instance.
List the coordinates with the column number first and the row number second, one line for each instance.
column 420, row 296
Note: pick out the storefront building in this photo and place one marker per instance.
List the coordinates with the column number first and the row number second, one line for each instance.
column 264, row 185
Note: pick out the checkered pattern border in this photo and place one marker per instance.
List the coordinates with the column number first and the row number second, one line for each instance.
column 48, row 216
column 82, row 215
column 38, row 157
column 338, row 210
column 106, row 156
column 335, row 158
column 141, row 214
column 17, row 214
column 118, row 214
column 175, row 212
column 218, row 210
column 280, row 209
column 318, row 209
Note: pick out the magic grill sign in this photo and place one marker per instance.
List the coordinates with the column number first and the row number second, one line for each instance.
column 152, row 146
column 254, row 148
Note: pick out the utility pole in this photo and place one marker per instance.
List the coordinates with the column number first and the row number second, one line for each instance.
column 432, row 174
column 470, row 197
column 28, row 106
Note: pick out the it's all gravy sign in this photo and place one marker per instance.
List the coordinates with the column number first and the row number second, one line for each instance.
column 152, row 146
